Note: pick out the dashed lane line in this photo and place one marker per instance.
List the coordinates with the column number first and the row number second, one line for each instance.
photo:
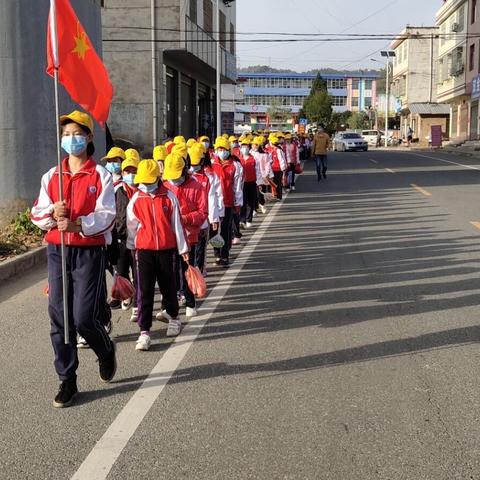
column 421, row 190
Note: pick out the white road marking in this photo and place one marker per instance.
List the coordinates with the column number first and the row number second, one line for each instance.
column 390, row 170
column 373, row 161
column 447, row 161
column 105, row 453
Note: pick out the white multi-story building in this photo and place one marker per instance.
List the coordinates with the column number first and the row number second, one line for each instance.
column 451, row 19
column 414, row 82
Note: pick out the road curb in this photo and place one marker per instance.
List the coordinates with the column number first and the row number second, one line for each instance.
column 22, row 263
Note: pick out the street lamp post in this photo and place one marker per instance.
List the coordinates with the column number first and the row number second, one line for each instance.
column 218, row 71
column 388, row 54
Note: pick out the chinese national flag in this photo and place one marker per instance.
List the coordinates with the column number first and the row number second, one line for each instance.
column 80, row 69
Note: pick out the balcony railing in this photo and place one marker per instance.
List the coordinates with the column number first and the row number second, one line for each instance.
column 201, row 44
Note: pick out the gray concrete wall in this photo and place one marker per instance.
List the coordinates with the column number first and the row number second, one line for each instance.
column 27, row 113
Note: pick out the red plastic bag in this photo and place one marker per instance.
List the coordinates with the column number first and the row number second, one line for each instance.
column 122, row 288
column 298, row 168
column 196, row 281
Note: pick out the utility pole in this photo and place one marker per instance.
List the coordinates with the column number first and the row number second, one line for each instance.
column 219, row 70
column 154, row 72
column 388, row 54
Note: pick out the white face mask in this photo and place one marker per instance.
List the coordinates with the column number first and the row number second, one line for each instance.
column 245, row 150
column 223, row 154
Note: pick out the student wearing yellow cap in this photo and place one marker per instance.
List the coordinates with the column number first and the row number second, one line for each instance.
column 192, row 198
column 113, row 163
column 86, row 218
column 156, row 233
column 124, row 192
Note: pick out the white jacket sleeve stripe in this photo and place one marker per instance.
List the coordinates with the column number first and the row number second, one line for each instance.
column 133, row 223
column 42, row 210
column 177, row 226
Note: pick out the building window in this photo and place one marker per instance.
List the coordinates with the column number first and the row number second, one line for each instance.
column 193, row 11
column 207, row 16
column 223, row 27
column 461, row 18
column 340, row 101
column 368, row 102
column 443, row 30
column 232, row 39
column 355, row 84
column 355, row 102
column 471, row 58
column 368, row 84
column 473, row 17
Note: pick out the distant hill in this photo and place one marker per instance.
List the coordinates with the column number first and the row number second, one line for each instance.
column 267, row 69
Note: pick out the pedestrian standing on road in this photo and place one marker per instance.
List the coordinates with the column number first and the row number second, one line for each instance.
column 249, row 184
column 293, row 159
column 86, row 217
column 264, row 171
column 379, row 139
column 409, row 136
column 279, row 164
column 193, row 201
column 208, row 179
column 124, row 192
column 231, row 180
column 113, row 163
column 320, row 146
column 156, row 233
column 236, row 231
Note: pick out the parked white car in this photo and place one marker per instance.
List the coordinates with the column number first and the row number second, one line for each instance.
column 371, row 137
column 349, row 141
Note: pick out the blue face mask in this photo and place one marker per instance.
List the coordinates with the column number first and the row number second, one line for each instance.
column 223, row 154
column 177, row 182
column 150, row 188
column 129, row 179
column 113, row 167
column 245, row 150
column 206, row 145
column 74, row 144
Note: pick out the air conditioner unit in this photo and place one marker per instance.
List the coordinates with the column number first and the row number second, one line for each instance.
column 456, row 27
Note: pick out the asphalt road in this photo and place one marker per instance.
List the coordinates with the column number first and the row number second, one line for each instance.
column 345, row 347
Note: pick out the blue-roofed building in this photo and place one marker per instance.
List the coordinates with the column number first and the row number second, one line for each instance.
column 354, row 92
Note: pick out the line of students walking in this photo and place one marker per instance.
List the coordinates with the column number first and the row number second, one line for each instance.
column 148, row 221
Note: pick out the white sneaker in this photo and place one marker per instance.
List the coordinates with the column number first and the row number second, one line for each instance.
column 191, row 312
column 81, row 342
column 126, row 304
column 262, row 208
column 236, row 241
column 249, row 225
column 174, row 327
column 181, row 301
column 254, row 213
column 163, row 316
column 143, row 343
column 134, row 316
column 242, row 225
column 293, row 188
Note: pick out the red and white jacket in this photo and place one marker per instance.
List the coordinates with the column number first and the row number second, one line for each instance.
column 154, row 222
column 217, row 186
column 249, row 168
column 263, row 163
column 279, row 163
column 292, row 153
column 193, row 200
column 209, row 180
column 230, row 173
column 89, row 195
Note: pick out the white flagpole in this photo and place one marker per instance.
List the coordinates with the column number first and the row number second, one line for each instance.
column 54, row 45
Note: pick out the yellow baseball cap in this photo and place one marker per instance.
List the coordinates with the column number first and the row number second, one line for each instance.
column 196, row 153
column 272, row 138
column 222, row 142
column 258, row 141
column 245, row 141
column 81, row 118
column 179, row 139
column 232, row 138
column 132, row 153
column 129, row 162
column 190, row 142
column 160, row 153
column 204, row 138
column 115, row 152
column 180, row 149
column 174, row 165
column 148, row 172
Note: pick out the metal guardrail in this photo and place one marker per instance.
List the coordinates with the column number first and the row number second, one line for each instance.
column 201, row 44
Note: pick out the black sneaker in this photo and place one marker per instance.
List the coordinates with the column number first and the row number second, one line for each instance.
column 115, row 304
column 108, row 366
column 223, row 262
column 66, row 393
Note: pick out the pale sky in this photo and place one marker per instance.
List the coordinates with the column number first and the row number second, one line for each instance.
column 325, row 16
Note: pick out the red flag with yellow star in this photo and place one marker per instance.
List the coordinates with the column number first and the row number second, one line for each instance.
column 80, row 69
